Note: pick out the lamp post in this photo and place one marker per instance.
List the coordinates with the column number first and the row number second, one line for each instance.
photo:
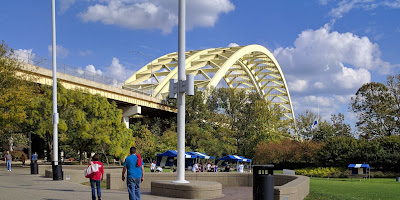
column 181, row 93
column 57, row 170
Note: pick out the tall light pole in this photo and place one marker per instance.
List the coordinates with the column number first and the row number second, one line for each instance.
column 57, row 170
column 181, row 93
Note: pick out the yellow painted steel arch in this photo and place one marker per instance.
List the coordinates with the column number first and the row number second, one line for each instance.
column 250, row 67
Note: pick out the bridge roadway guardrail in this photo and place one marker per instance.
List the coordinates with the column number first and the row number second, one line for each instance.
column 81, row 73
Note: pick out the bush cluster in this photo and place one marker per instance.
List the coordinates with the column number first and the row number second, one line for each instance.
column 323, row 172
column 382, row 153
column 16, row 155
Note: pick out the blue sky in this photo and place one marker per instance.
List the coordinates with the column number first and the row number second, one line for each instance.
column 327, row 48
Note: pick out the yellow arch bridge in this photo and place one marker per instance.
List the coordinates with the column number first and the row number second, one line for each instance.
column 252, row 68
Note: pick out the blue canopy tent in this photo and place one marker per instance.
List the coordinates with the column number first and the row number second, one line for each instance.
column 360, row 169
column 167, row 158
column 201, row 156
column 234, row 158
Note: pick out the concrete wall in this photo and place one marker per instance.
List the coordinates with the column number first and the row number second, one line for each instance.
column 290, row 187
column 226, row 179
column 74, row 173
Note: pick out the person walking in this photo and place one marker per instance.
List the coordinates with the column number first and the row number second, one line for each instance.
column 8, row 159
column 23, row 158
column 97, row 177
column 133, row 165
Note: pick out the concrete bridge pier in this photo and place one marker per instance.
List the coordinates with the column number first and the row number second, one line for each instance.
column 130, row 111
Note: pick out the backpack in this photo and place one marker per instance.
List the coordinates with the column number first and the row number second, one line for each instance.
column 91, row 170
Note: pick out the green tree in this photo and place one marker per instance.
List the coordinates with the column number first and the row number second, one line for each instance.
column 303, row 123
column 16, row 92
column 373, row 107
column 338, row 152
column 168, row 141
column 145, row 141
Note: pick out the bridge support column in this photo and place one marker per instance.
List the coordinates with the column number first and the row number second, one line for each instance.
column 129, row 111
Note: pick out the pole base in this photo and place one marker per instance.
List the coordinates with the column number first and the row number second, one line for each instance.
column 57, row 171
column 181, row 181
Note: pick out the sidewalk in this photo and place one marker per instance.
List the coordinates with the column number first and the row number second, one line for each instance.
column 20, row 184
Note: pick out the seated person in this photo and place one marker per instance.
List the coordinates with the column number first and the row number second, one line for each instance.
column 159, row 169
column 227, row 168
column 211, row 168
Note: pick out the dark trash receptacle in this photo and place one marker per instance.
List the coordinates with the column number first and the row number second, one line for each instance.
column 397, row 179
column 34, row 168
column 263, row 182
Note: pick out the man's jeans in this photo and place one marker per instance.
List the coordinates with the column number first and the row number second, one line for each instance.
column 97, row 183
column 9, row 165
column 133, row 185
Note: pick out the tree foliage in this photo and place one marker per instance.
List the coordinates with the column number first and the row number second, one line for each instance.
column 16, row 91
column 376, row 107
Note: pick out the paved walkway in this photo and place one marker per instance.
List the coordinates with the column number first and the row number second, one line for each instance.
column 20, row 184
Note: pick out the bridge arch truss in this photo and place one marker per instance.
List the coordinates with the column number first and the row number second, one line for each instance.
column 252, row 68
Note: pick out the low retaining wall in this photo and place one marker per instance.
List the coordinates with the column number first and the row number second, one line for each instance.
column 290, row 187
column 226, row 179
column 74, row 173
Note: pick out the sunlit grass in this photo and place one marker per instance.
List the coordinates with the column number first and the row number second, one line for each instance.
column 343, row 189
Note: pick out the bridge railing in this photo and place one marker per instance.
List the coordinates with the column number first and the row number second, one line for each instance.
column 81, row 73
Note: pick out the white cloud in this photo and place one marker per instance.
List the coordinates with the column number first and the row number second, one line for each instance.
column 323, row 2
column 298, row 85
column 233, row 45
column 118, row 71
column 392, row 4
column 334, row 65
column 85, row 52
column 319, row 85
column 24, row 55
column 323, row 53
column 350, row 77
column 345, row 6
column 64, row 5
column 92, row 69
column 62, row 52
column 156, row 14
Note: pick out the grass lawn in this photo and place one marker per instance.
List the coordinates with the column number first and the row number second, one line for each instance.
column 343, row 189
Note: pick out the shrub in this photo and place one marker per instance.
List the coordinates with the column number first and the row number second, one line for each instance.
column 287, row 151
column 16, row 155
column 323, row 172
column 380, row 174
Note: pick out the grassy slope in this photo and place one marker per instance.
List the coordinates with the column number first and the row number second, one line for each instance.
column 343, row 189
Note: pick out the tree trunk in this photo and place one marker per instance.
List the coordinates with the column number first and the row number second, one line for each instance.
column 104, row 153
column 80, row 157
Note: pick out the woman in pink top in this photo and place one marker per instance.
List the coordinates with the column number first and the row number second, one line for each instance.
column 97, row 177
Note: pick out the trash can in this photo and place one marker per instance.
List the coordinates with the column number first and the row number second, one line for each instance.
column 397, row 179
column 57, row 171
column 34, row 168
column 263, row 182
